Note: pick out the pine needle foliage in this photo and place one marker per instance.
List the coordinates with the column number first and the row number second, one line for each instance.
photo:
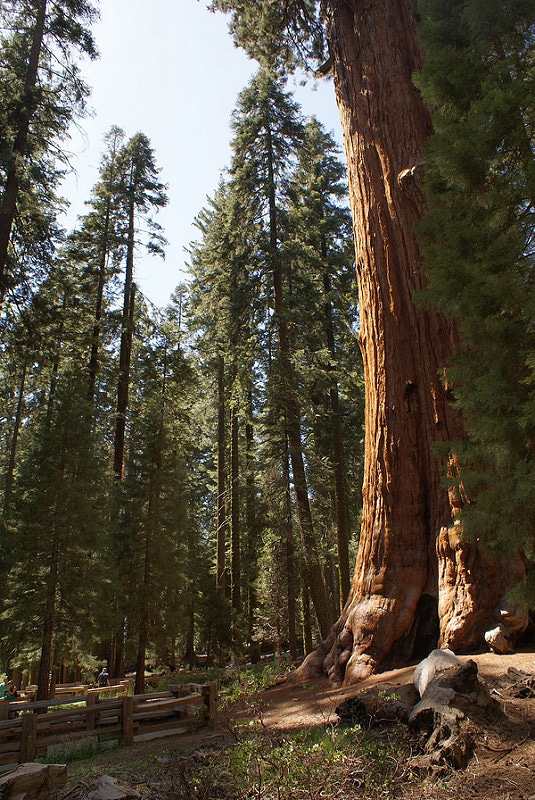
column 478, row 245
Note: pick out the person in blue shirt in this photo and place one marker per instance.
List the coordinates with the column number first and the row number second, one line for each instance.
column 103, row 678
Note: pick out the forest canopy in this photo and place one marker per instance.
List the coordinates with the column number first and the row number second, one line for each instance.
column 147, row 478
column 202, row 479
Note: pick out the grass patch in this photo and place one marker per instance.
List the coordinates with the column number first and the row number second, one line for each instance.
column 235, row 682
column 76, row 750
column 312, row 763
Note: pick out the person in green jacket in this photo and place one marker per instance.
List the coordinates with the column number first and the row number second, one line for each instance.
column 5, row 688
column 8, row 690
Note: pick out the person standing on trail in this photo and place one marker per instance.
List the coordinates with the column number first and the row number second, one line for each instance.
column 103, row 678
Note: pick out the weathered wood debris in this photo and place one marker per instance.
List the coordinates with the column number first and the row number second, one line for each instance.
column 445, row 709
column 107, row 788
column 33, row 782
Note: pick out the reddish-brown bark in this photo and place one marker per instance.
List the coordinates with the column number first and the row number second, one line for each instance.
column 392, row 611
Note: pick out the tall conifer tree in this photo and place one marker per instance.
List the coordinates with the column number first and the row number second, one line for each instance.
column 41, row 92
column 268, row 131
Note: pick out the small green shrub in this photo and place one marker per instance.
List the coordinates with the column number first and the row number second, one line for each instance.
column 249, row 682
column 206, row 675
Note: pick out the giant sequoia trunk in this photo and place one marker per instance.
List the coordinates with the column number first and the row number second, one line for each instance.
column 410, row 560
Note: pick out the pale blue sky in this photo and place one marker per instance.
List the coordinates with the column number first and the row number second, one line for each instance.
column 169, row 68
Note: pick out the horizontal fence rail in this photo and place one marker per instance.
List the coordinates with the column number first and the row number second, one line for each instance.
column 75, row 689
column 29, row 729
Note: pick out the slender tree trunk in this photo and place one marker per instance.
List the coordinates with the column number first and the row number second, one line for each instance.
column 125, row 353
column 10, row 473
column 221, row 569
column 43, row 681
column 190, row 638
column 235, row 510
column 95, row 338
column 399, row 579
column 320, row 599
column 252, row 533
column 144, row 610
column 50, row 613
column 125, row 357
column 290, row 564
column 152, row 526
column 340, row 486
column 307, row 622
column 28, row 106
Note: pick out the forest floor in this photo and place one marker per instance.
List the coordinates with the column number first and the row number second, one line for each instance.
column 502, row 768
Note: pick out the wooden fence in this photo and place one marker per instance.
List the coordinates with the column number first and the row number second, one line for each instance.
column 75, row 689
column 29, row 729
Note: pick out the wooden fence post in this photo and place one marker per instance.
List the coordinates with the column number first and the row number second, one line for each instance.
column 28, row 737
column 128, row 720
column 4, row 710
column 209, row 693
column 91, row 701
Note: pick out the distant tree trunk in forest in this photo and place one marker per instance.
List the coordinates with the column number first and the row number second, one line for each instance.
column 125, row 356
column 28, row 105
column 125, row 352
column 144, row 610
column 316, row 582
column 99, row 302
column 290, row 562
column 221, row 567
column 50, row 607
column 104, row 248
column 235, row 510
column 307, row 623
column 252, row 534
column 152, row 526
column 10, row 472
column 190, row 635
column 45, row 662
column 340, row 487
column 400, row 581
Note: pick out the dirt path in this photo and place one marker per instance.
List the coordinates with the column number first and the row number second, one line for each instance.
column 314, row 703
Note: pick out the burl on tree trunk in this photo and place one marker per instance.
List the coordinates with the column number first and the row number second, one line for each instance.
column 416, row 585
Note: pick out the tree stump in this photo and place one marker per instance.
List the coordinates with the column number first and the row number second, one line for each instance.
column 445, row 708
column 454, row 705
